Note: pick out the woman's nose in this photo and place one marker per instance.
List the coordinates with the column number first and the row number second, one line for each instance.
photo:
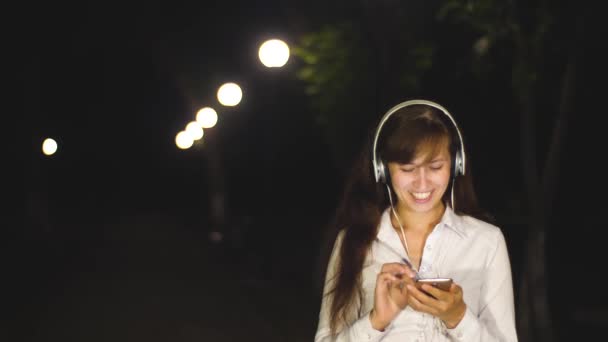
column 421, row 180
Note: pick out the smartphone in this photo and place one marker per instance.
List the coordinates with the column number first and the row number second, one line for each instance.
column 440, row 283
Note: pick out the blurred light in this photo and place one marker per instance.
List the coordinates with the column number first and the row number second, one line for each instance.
column 195, row 130
column 183, row 140
column 207, row 117
column 482, row 45
column 49, row 146
column 229, row 94
column 216, row 237
column 274, row 53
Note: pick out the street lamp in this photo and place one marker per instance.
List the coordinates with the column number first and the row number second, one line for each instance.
column 195, row 130
column 183, row 140
column 207, row 117
column 274, row 53
column 229, row 94
column 49, row 146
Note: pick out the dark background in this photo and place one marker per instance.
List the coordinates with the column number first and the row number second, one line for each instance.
column 109, row 239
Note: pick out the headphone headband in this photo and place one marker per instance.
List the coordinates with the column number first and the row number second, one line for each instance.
column 379, row 169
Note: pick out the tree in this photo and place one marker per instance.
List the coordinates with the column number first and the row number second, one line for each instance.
column 348, row 70
column 529, row 33
column 336, row 78
column 529, row 44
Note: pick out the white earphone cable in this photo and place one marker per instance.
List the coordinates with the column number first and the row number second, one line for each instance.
column 452, row 193
column 390, row 198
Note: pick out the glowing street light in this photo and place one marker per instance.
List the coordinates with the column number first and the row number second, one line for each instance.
column 274, row 53
column 49, row 146
column 207, row 117
column 183, row 140
column 195, row 130
column 229, row 94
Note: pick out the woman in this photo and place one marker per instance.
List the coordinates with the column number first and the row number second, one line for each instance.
column 410, row 212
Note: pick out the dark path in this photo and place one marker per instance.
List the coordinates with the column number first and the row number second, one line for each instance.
column 158, row 278
column 155, row 279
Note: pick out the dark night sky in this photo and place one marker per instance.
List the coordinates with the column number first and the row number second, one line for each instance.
column 114, row 83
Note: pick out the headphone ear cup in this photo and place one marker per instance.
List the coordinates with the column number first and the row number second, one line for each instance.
column 387, row 175
column 458, row 169
column 382, row 172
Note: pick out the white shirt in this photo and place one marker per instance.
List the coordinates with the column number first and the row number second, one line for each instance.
column 471, row 252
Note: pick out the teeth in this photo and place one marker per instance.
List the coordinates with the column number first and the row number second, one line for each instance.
column 421, row 195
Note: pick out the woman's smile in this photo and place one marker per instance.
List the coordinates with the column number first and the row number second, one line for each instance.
column 421, row 197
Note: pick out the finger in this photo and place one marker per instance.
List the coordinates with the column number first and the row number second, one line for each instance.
column 390, row 276
column 456, row 292
column 396, row 268
column 456, row 289
column 398, row 294
column 399, row 285
column 417, row 305
column 435, row 292
column 409, row 280
column 421, row 296
column 388, row 288
column 402, row 286
column 387, row 279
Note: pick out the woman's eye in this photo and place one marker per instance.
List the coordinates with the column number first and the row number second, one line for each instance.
column 408, row 169
column 436, row 167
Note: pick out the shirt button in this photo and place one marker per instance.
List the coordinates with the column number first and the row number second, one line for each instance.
column 429, row 247
column 459, row 334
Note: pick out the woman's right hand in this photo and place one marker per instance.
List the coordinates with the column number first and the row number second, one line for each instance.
column 390, row 295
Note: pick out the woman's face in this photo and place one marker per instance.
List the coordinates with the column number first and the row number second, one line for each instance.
column 420, row 184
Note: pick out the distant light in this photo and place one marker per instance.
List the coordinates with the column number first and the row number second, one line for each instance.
column 195, row 130
column 207, row 117
column 274, row 53
column 229, row 94
column 49, row 146
column 183, row 140
column 482, row 45
column 216, row 237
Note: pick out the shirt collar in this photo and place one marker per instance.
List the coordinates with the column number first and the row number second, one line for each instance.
column 453, row 221
column 449, row 220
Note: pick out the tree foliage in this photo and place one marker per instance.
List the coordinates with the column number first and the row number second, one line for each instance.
column 339, row 70
column 335, row 73
column 528, row 45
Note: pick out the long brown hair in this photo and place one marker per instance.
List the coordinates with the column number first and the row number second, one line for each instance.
column 403, row 136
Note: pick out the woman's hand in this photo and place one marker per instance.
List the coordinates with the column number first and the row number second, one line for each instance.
column 391, row 295
column 446, row 305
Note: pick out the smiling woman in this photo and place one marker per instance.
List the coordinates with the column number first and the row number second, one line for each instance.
column 415, row 216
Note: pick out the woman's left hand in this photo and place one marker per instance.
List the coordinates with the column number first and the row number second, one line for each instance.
column 446, row 305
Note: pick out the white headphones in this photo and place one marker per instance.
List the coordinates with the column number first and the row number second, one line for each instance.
column 380, row 171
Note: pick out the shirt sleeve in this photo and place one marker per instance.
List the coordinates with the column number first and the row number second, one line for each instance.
column 496, row 319
column 360, row 329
